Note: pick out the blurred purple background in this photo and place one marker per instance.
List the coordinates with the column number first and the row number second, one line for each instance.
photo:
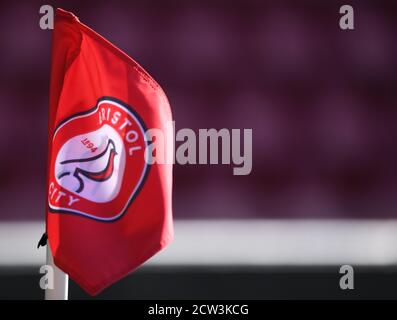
column 322, row 102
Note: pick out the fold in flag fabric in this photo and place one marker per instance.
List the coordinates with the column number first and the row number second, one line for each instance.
column 108, row 209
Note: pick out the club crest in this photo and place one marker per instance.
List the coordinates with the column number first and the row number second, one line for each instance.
column 97, row 161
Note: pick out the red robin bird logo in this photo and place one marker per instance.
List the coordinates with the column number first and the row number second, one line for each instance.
column 98, row 162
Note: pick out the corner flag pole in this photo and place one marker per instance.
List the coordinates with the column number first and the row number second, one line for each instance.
column 60, row 281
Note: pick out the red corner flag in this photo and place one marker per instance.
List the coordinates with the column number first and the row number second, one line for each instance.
column 109, row 210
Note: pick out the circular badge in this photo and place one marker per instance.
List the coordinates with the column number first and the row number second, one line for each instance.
column 98, row 161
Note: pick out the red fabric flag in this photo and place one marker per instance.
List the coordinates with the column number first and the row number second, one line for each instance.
column 109, row 210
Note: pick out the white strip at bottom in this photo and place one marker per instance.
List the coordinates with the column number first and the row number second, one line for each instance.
column 242, row 242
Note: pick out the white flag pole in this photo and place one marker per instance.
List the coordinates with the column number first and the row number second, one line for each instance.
column 60, row 281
